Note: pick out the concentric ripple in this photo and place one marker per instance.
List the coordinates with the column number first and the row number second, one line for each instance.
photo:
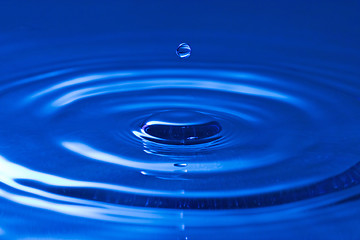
column 247, row 137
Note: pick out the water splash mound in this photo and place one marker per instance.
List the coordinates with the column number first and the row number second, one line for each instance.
column 181, row 127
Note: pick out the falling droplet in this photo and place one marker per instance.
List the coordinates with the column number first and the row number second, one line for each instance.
column 183, row 50
column 181, row 128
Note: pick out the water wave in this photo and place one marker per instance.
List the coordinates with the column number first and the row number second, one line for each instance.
column 284, row 141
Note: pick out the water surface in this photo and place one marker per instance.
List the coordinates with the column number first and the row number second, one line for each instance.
column 108, row 134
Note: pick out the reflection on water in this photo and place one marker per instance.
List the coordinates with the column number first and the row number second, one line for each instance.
column 120, row 143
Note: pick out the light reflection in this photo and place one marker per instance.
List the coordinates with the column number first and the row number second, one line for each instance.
column 79, row 80
column 94, row 154
column 192, row 83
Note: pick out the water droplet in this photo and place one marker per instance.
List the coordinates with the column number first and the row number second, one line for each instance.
column 183, row 50
column 181, row 128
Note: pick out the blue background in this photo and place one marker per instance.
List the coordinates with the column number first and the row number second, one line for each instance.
column 319, row 36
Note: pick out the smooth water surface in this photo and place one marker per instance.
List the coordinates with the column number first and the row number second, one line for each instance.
column 107, row 134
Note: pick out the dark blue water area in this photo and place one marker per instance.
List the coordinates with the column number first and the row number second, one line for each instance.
column 109, row 130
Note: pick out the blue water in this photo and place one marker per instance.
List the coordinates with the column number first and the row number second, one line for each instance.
column 106, row 133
